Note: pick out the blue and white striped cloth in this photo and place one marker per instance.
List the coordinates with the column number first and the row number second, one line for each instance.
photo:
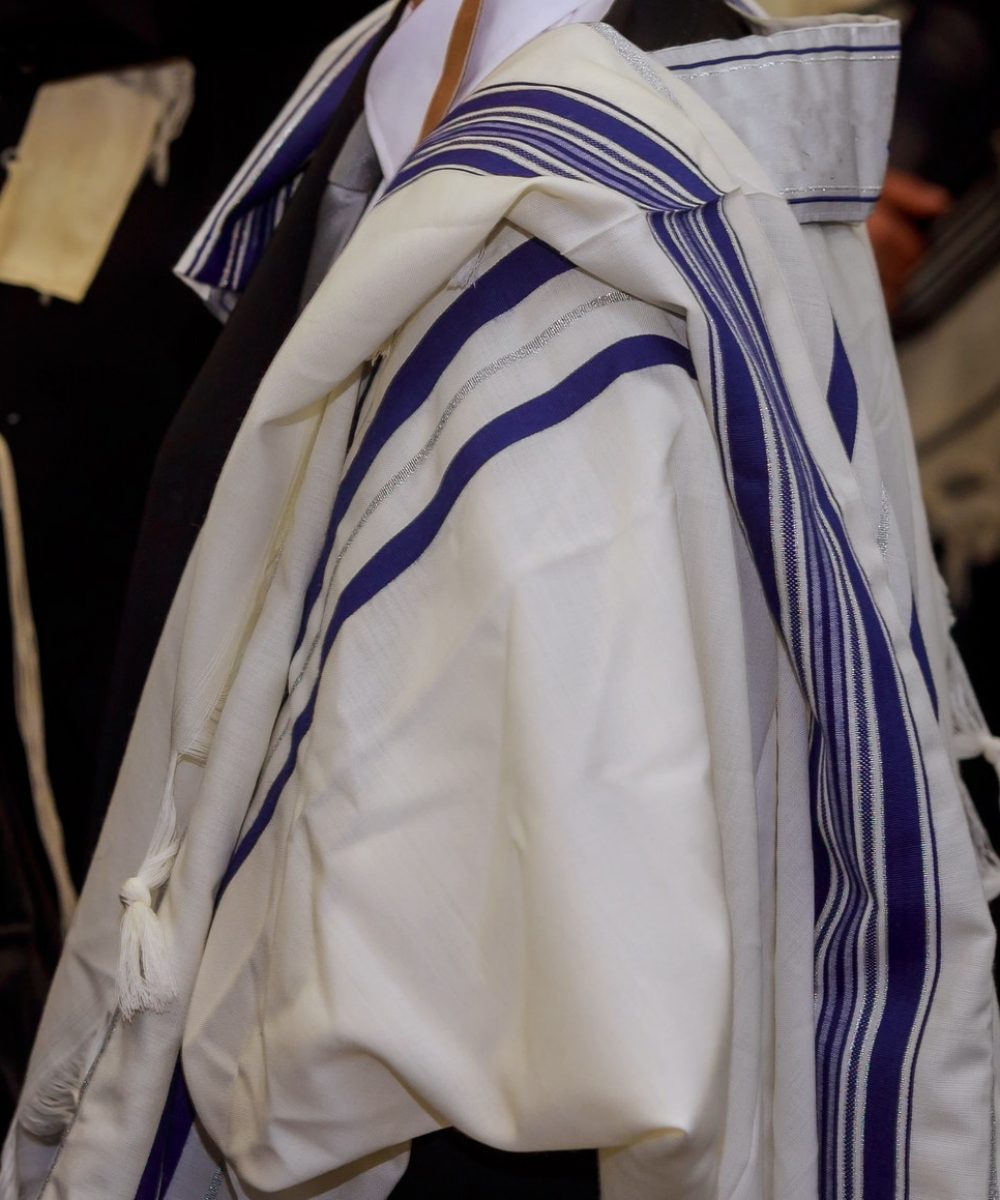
column 227, row 248
column 561, row 689
column 224, row 253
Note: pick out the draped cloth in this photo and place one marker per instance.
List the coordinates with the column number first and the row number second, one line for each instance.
column 558, row 707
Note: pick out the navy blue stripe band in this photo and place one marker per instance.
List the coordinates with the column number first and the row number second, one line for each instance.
column 623, row 132
column 842, row 394
column 699, row 242
column 871, row 198
column 551, row 408
column 889, row 48
column 545, row 137
column 532, row 417
column 515, row 277
column 287, row 163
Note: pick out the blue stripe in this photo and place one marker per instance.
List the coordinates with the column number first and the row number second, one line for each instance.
column 515, row 277
column 774, row 499
column 920, row 650
column 551, row 408
column 287, row 163
column 860, row 769
column 616, row 132
column 904, row 900
column 898, row 789
column 841, row 931
column 750, row 470
column 482, row 162
column 543, row 129
column 842, row 394
column 888, row 48
column 497, row 291
column 171, row 1137
column 870, row 198
column 392, row 560
column 689, row 167
column 576, row 107
column 261, row 151
column 531, row 142
column 503, row 159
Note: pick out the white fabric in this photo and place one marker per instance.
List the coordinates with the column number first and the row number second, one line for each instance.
column 235, row 221
column 790, row 72
column 543, row 867
column 406, row 70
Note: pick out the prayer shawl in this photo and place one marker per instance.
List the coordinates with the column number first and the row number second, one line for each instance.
column 554, row 734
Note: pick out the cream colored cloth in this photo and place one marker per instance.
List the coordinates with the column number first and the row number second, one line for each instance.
column 511, row 747
column 28, row 688
column 83, row 151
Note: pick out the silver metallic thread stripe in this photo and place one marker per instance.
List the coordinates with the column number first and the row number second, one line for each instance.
column 875, row 189
column 639, row 62
column 251, row 171
column 470, row 385
column 215, row 1186
column 884, row 518
column 410, row 468
column 687, row 73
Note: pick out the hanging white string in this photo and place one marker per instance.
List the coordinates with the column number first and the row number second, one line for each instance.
column 145, row 976
column 971, row 737
column 28, row 689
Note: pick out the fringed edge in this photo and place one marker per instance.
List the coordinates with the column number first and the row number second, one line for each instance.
column 971, row 738
column 468, row 273
column 145, row 973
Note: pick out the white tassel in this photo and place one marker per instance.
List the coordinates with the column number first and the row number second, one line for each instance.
column 145, row 976
column 971, row 735
column 468, row 273
column 971, row 738
column 974, row 744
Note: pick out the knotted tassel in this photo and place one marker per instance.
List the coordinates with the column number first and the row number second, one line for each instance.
column 145, row 975
column 971, row 737
column 976, row 744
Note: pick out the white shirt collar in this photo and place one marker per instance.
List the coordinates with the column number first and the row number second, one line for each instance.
column 406, row 72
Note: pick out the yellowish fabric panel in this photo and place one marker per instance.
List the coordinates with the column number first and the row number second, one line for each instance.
column 84, row 148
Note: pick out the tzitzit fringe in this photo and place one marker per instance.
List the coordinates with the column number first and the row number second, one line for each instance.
column 971, row 737
column 145, row 976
